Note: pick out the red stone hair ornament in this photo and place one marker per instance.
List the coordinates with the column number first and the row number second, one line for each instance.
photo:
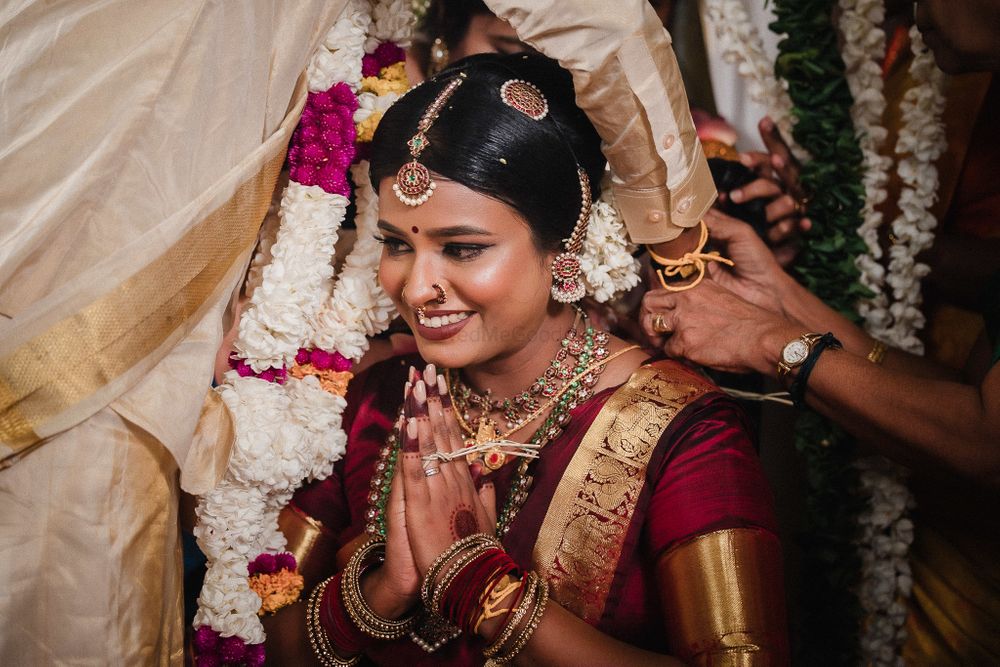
column 414, row 184
column 525, row 97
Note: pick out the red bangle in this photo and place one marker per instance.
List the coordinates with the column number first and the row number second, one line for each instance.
column 344, row 634
column 464, row 597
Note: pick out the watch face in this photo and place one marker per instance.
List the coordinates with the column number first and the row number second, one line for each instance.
column 795, row 353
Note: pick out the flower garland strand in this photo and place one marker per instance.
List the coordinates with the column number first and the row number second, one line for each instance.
column 289, row 428
column 810, row 62
column 921, row 142
column 743, row 46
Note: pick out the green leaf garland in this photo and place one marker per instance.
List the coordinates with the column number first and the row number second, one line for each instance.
column 810, row 62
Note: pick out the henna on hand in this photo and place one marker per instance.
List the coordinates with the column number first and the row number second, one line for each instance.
column 463, row 522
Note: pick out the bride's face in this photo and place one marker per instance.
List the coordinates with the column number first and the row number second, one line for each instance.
column 482, row 254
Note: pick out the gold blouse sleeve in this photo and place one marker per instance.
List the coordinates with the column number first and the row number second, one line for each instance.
column 724, row 598
column 312, row 545
column 628, row 82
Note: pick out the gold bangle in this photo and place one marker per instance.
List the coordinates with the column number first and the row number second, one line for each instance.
column 531, row 585
column 427, row 585
column 878, row 353
column 696, row 260
column 491, row 606
column 456, row 566
column 541, row 599
column 318, row 639
column 363, row 616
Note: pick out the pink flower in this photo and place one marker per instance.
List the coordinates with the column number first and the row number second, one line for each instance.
column 341, row 363
column 254, row 656
column 321, row 359
column 309, row 133
column 285, row 561
column 313, row 153
column 267, row 374
column 232, row 649
column 304, row 174
column 342, row 94
column 388, row 53
column 294, row 154
column 370, row 65
column 333, row 180
column 244, row 370
column 302, row 357
column 322, row 101
column 205, row 638
column 207, row 660
column 263, row 563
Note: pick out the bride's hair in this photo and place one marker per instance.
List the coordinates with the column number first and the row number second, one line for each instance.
column 491, row 148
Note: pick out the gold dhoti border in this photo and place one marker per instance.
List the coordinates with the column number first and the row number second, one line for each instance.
column 585, row 528
column 72, row 360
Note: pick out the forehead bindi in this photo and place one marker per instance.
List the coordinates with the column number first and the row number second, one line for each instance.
column 415, row 229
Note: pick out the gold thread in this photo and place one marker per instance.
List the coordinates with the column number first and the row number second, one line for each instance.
column 696, row 260
column 584, row 530
column 82, row 353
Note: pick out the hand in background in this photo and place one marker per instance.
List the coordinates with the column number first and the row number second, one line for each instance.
column 778, row 182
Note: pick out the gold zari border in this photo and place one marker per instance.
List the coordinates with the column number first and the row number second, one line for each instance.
column 584, row 531
column 82, row 353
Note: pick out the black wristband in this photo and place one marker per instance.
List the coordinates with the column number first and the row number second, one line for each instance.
column 798, row 389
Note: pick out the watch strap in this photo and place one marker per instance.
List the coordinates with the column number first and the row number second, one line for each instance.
column 798, row 389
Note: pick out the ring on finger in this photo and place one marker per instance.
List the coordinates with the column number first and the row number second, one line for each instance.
column 431, row 471
column 659, row 326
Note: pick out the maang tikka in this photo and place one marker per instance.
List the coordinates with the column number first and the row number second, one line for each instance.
column 414, row 184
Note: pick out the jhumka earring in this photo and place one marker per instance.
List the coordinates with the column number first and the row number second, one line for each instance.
column 567, row 274
column 413, row 184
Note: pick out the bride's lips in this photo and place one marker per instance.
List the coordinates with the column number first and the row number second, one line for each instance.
column 444, row 331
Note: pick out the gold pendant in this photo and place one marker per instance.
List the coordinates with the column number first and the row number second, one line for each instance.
column 494, row 458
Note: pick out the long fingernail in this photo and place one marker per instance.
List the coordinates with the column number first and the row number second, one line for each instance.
column 420, row 399
column 413, row 376
column 442, row 388
column 429, row 373
column 410, row 442
column 736, row 195
column 406, row 388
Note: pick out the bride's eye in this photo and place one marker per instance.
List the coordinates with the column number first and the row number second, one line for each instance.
column 394, row 245
column 464, row 251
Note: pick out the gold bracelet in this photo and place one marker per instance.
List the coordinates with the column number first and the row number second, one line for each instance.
column 531, row 590
column 696, row 260
column 541, row 599
column 499, row 593
column 878, row 353
column 427, row 585
column 457, row 565
column 363, row 616
column 318, row 639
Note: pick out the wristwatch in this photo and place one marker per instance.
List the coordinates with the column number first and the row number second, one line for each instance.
column 796, row 352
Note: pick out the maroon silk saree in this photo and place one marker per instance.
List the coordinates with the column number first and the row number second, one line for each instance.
column 700, row 476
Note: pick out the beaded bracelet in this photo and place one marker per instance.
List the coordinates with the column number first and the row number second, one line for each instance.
column 364, row 617
column 318, row 639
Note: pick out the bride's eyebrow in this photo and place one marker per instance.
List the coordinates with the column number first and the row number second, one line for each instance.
column 443, row 232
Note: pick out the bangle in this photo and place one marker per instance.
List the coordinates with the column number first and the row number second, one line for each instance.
column 687, row 264
column 532, row 583
column 427, row 585
column 798, row 389
column 541, row 599
column 363, row 616
column 878, row 353
column 318, row 639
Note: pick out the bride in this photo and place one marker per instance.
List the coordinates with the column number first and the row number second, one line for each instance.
column 530, row 489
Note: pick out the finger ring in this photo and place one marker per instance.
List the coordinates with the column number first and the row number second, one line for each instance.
column 800, row 205
column 433, row 470
column 659, row 326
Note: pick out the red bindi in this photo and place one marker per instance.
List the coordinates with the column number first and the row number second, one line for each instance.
column 415, row 229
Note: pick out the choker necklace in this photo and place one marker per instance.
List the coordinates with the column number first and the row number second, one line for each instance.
column 562, row 387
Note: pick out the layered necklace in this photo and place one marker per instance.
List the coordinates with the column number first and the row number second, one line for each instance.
column 568, row 381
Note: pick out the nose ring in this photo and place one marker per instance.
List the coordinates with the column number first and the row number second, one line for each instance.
column 442, row 295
